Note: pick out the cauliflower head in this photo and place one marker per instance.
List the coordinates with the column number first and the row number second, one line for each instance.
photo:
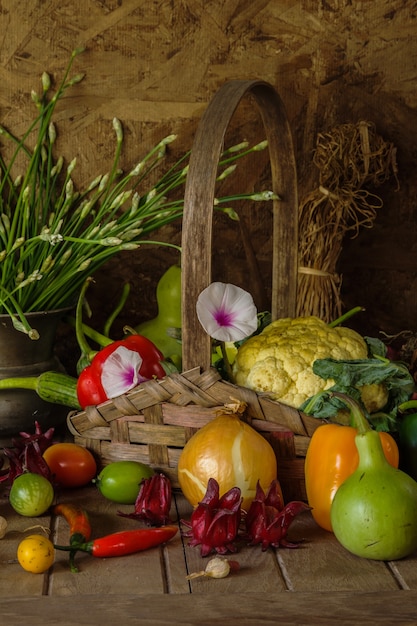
column 279, row 361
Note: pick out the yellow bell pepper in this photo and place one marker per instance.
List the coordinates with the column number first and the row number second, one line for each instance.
column 331, row 458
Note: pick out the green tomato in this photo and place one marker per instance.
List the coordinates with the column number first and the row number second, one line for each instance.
column 120, row 481
column 31, row 494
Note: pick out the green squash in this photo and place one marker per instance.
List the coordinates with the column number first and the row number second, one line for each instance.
column 168, row 321
column 374, row 512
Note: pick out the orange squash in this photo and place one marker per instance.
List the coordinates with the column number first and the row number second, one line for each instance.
column 230, row 451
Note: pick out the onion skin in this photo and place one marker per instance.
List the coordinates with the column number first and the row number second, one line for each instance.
column 230, row 451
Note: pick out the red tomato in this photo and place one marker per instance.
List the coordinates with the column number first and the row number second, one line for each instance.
column 71, row 464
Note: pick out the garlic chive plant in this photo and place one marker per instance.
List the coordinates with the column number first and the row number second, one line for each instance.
column 53, row 236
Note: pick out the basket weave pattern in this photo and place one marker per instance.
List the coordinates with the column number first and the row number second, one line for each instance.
column 153, row 422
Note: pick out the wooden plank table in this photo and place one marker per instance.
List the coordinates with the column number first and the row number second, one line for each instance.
column 317, row 583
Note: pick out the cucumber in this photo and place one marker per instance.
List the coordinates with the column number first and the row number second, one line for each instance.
column 52, row 387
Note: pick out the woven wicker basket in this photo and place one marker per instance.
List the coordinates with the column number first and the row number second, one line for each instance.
column 153, row 422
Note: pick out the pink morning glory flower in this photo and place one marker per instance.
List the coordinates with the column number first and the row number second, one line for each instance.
column 120, row 372
column 227, row 312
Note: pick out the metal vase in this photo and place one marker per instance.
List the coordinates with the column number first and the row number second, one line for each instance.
column 21, row 356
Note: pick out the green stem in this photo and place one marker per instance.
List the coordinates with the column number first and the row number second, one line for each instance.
column 20, row 324
column 91, row 333
column 340, row 320
column 109, row 322
column 153, row 242
column 81, row 338
column 227, row 365
column 371, row 452
column 410, row 404
column 83, row 547
column 73, row 567
column 358, row 419
column 367, row 440
column 29, row 382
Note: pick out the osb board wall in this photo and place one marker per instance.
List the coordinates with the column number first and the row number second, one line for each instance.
column 156, row 64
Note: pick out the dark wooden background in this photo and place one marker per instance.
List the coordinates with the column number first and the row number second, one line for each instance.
column 156, row 64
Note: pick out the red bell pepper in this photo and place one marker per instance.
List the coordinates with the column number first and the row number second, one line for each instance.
column 117, row 368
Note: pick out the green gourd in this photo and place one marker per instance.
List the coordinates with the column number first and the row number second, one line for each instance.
column 374, row 512
column 168, row 321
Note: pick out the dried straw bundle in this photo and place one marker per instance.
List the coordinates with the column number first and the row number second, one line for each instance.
column 350, row 158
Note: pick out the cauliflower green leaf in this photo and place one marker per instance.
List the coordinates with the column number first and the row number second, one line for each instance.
column 351, row 375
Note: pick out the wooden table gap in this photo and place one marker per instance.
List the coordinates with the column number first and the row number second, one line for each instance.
column 399, row 579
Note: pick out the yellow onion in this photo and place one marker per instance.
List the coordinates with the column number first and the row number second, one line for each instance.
column 230, row 451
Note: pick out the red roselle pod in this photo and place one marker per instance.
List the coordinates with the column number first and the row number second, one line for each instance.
column 214, row 523
column 153, row 503
column 26, row 455
column 268, row 521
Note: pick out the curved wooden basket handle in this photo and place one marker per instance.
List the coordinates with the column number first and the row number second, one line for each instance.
column 198, row 209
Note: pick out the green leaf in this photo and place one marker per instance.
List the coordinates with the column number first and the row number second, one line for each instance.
column 383, row 422
column 350, row 376
column 325, row 406
column 376, row 347
column 359, row 372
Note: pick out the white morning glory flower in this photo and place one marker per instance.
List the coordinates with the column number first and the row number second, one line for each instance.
column 227, row 312
column 120, row 372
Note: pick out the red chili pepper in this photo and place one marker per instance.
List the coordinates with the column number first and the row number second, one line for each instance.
column 125, row 541
column 117, row 368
